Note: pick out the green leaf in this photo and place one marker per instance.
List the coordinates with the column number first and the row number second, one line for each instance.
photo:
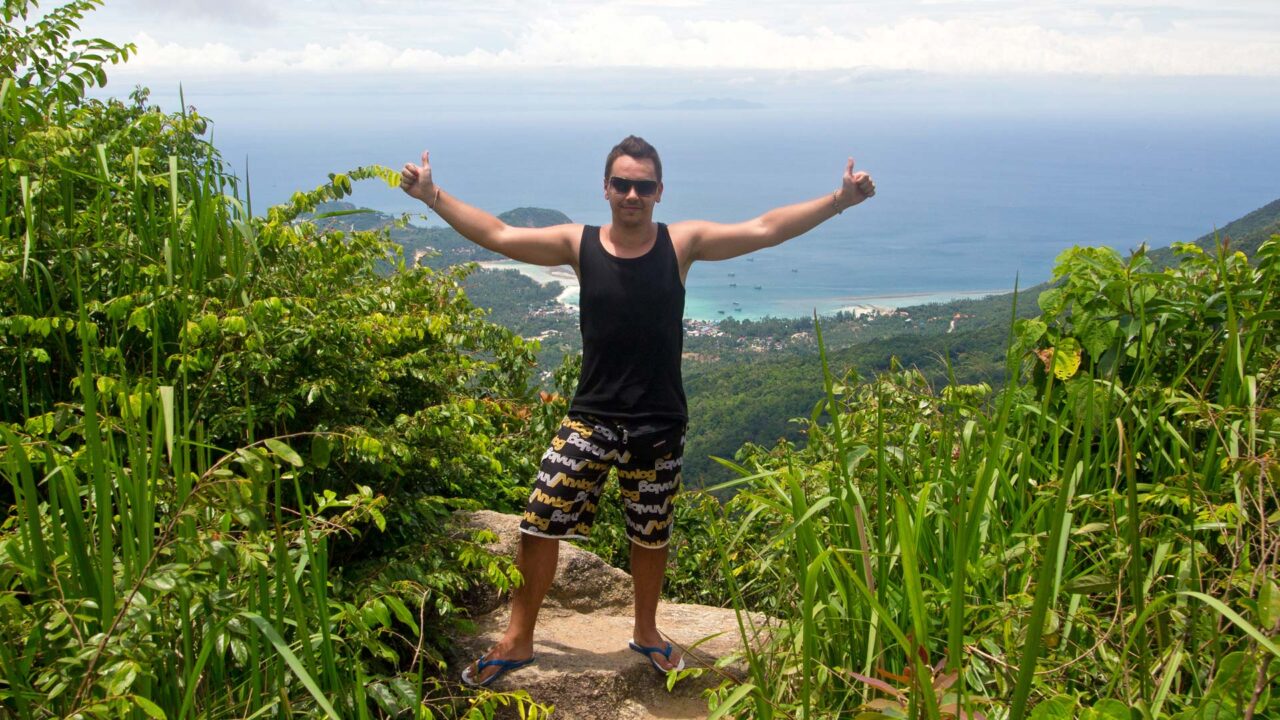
column 1088, row 584
column 1060, row 707
column 1066, row 358
column 378, row 612
column 148, row 707
column 1030, row 331
column 401, row 612
column 1108, row 709
column 321, row 450
column 1096, row 336
column 122, row 677
column 730, row 702
column 1050, row 301
column 284, row 451
column 162, row 581
column 139, row 319
column 1268, row 604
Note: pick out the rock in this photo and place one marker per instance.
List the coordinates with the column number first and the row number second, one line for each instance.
column 583, row 581
column 584, row 666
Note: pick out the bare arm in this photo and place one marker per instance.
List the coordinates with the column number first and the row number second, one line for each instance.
column 555, row 245
column 704, row 240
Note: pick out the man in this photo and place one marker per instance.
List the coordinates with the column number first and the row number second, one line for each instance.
column 629, row 409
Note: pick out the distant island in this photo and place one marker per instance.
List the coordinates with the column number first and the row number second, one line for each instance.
column 435, row 247
column 699, row 104
column 534, row 217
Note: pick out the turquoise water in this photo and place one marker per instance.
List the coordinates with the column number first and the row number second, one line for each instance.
column 966, row 203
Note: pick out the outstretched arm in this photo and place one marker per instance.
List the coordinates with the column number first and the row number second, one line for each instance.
column 704, row 240
column 556, row 245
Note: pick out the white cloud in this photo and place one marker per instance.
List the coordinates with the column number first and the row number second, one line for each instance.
column 231, row 12
column 1108, row 37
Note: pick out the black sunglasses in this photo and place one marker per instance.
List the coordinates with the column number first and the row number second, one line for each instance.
column 644, row 188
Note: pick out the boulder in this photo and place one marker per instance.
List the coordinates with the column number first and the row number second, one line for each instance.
column 583, row 581
column 584, row 666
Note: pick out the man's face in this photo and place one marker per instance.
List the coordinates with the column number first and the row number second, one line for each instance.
column 632, row 207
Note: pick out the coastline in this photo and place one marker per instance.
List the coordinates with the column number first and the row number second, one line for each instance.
column 706, row 310
column 901, row 300
column 543, row 275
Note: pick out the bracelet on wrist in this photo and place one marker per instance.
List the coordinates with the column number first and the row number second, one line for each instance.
column 435, row 200
column 835, row 201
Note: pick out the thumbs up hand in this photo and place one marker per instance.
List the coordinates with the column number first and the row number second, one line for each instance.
column 416, row 179
column 854, row 188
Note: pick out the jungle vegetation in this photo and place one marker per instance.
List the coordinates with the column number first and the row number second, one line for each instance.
column 231, row 445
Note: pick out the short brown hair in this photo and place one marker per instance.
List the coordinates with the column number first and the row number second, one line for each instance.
column 635, row 147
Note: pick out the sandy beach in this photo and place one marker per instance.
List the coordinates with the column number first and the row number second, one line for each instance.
column 882, row 303
column 543, row 275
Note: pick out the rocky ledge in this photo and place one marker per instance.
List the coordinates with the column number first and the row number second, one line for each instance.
column 584, row 667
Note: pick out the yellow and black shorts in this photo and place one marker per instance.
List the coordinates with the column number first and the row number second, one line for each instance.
column 573, row 471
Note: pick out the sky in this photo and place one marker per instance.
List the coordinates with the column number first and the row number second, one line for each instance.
column 247, row 39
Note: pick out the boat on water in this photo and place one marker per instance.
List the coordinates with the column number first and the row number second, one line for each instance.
column 759, row 287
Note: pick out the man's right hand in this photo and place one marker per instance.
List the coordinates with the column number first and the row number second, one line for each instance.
column 416, row 180
column 555, row 245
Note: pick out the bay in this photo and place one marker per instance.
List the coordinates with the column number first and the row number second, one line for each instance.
column 968, row 202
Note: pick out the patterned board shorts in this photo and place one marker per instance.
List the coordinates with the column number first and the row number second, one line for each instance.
column 571, row 479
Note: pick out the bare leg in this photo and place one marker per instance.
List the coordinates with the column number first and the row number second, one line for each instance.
column 536, row 558
column 648, row 569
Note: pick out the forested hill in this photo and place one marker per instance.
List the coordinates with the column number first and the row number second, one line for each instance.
column 513, row 300
column 436, row 247
column 1244, row 234
column 753, row 395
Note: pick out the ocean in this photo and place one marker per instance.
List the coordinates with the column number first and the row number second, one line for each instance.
column 968, row 202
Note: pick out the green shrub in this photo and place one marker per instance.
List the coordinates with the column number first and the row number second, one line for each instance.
column 1098, row 533
column 209, row 417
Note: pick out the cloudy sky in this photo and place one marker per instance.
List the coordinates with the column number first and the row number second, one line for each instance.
column 247, row 38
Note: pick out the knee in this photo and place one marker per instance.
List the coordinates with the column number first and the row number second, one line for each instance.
column 535, row 547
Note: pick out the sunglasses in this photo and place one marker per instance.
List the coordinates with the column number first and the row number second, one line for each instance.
column 644, row 188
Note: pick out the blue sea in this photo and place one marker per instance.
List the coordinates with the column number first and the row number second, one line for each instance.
column 969, row 201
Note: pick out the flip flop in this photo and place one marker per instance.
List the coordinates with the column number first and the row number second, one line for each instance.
column 504, row 667
column 663, row 651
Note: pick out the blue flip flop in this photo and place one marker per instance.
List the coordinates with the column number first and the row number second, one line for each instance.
column 663, row 651
column 504, row 667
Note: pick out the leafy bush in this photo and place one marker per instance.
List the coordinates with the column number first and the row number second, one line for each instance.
column 1100, row 533
column 208, row 418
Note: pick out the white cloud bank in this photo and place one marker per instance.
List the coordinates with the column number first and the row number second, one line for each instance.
column 620, row 37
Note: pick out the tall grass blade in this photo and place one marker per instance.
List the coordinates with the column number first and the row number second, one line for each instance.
column 907, row 542
column 286, row 654
column 24, row 187
column 1044, row 594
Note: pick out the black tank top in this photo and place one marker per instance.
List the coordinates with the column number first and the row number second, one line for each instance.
column 631, row 315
